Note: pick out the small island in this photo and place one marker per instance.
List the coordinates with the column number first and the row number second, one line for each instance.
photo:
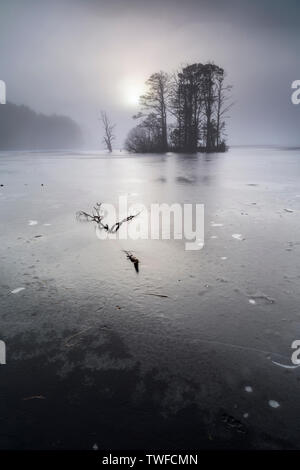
column 182, row 112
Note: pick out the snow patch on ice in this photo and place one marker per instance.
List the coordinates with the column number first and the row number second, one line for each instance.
column 214, row 224
column 274, row 404
column 237, row 236
column 17, row 290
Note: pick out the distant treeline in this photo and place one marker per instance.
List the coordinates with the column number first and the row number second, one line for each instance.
column 195, row 100
column 23, row 128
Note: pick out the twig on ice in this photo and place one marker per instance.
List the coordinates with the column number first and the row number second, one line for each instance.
column 133, row 259
column 97, row 217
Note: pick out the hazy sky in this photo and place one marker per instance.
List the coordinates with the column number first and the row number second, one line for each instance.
column 79, row 56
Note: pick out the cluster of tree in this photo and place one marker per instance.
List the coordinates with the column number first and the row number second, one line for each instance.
column 196, row 101
column 22, row 128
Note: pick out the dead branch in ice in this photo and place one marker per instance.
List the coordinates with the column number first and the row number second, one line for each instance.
column 97, row 217
column 157, row 295
column 133, row 259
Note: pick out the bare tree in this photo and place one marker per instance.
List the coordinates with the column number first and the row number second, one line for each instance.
column 155, row 102
column 108, row 130
column 222, row 105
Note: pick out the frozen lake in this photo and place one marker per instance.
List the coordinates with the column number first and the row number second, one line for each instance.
column 92, row 358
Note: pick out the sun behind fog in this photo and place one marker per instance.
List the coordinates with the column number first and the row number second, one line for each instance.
column 131, row 91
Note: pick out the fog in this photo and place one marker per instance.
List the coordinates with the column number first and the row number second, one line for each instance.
column 76, row 57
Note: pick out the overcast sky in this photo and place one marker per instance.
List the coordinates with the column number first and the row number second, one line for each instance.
column 79, row 56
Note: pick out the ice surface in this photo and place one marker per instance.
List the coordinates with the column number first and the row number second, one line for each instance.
column 195, row 349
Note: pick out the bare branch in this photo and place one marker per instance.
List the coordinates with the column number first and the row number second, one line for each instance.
column 97, row 217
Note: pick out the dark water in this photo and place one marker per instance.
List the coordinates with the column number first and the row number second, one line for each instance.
column 92, row 358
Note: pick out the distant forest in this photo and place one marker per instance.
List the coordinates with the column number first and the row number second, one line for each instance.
column 22, row 128
column 195, row 100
